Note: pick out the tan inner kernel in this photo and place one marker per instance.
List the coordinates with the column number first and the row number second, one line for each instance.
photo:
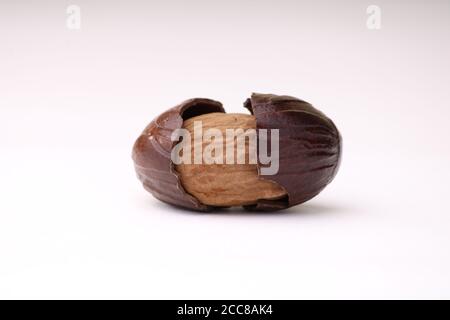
column 225, row 184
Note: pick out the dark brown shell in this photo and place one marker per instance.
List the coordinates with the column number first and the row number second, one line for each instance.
column 310, row 149
column 151, row 153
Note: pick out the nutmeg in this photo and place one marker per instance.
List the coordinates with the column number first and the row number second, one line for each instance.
column 226, row 184
column 223, row 169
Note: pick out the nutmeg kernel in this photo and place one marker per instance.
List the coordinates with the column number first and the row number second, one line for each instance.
column 226, row 185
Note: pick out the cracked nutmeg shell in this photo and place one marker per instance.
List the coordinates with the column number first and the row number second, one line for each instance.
column 309, row 156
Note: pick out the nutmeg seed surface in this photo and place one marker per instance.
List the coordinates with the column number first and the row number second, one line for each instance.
column 224, row 184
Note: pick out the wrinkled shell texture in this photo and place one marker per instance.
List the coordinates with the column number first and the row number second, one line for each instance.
column 310, row 151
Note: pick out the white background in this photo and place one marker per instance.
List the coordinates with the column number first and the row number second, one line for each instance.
column 75, row 222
